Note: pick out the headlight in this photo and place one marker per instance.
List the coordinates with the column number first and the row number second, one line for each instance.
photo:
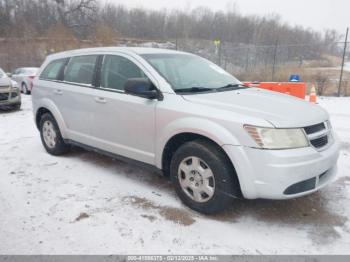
column 328, row 124
column 14, row 84
column 274, row 138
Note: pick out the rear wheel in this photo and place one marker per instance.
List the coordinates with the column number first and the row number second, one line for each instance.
column 51, row 136
column 203, row 176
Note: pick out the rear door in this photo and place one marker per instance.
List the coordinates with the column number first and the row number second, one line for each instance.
column 75, row 95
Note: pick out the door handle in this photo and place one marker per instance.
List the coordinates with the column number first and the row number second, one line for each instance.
column 58, row 92
column 100, row 100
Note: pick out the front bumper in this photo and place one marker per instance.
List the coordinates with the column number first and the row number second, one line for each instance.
column 283, row 174
column 10, row 96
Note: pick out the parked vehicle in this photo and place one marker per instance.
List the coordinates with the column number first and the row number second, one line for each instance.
column 10, row 95
column 187, row 117
column 24, row 77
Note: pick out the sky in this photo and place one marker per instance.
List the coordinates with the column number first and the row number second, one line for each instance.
column 315, row 14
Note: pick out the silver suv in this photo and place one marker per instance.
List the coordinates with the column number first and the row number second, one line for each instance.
column 187, row 117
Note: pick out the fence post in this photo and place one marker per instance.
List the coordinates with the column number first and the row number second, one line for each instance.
column 343, row 61
column 274, row 61
column 247, row 59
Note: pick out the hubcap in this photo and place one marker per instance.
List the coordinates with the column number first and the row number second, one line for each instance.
column 49, row 134
column 196, row 179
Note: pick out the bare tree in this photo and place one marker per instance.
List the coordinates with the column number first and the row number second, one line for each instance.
column 322, row 81
column 77, row 14
column 247, row 41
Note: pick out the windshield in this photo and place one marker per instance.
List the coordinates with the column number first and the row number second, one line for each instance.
column 190, row 72
column 31, row 71
column 2, row 73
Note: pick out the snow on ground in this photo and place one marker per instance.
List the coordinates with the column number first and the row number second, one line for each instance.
column 347, row 66
column 88, row 203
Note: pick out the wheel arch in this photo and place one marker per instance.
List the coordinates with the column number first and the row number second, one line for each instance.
column 189, row 129
column 48, row 107
column 178, row 140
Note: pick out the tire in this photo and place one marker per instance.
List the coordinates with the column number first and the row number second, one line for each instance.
column 51, row 136
column 217, row 191
column 25, row 89
column 17, row 106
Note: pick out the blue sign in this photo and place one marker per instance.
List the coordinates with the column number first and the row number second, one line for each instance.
column 294, row 78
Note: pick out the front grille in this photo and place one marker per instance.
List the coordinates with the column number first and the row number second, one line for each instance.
column 314, row 128
column 4, row 96
column 319, row 142
column 4, row 87
column 318, row 135
column 14, row 94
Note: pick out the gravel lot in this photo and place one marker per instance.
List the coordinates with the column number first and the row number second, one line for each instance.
column 88, row 203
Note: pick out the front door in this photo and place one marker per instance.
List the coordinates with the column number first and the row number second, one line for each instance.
column 123, row 124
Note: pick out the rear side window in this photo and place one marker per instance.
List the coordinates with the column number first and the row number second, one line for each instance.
column 81, row 69
column 52, row 70
column 116, row 70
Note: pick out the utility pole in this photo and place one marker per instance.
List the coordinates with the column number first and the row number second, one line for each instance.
column 274, row 61
column 176, row 35
column 343, row 61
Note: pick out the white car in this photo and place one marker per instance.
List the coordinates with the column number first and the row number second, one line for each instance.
column 24, row 77
column 185, row 116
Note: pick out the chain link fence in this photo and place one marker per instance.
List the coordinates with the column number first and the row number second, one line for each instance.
column 318, row 65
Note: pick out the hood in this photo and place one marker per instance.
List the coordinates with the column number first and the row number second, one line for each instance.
column 5, row 81
column 282, row 111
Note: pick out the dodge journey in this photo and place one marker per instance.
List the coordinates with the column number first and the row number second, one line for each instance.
column 188, row 118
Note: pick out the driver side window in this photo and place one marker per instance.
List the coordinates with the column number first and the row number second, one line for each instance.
column 116, row 70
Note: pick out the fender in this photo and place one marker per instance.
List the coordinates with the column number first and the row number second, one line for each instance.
column 200, row 126
column 49, row 105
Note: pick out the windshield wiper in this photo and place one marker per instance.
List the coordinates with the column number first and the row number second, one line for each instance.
column 198, row 89
column 231, row 87
column 194, row 89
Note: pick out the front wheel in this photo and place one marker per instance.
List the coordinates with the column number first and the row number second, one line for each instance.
column 51, row 136
column 204, row 177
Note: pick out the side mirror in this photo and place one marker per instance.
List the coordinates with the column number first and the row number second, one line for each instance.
column 141, row 87
column 9, row 74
